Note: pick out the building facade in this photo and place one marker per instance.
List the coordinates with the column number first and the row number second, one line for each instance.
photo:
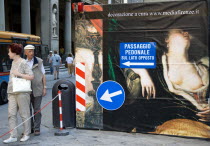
column 49, row 19
column 41, row 18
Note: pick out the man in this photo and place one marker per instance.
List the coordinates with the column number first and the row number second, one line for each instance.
column 38, row 86
column 48, row 60
column 62, row 50
column 56, row 63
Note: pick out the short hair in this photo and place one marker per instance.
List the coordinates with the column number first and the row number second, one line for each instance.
column 55, row 52
column 16, row 48
column 70, row 55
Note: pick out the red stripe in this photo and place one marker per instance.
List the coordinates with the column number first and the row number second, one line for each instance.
column 80, row 100
column 4, row 73
column 80, row 86
column 61, row 117
column 60, row 103
column 78, row 109
column 92, row 8
column 61, row 128
column 80, row 73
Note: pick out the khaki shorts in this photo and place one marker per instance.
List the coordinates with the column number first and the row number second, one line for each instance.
column 56, row 68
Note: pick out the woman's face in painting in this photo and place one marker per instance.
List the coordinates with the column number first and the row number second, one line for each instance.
column 178, row 39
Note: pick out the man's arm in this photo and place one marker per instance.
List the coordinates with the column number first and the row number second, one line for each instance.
column 44, row 92
column 44, row 84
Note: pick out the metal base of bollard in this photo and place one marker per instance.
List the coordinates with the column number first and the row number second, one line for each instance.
column 61, row 133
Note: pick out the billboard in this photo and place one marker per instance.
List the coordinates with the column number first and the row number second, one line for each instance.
column 158, row 54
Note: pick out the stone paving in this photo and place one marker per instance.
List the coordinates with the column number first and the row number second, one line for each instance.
column 82, row 137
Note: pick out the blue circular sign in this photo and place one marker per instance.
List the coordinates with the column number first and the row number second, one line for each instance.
column 110, row 95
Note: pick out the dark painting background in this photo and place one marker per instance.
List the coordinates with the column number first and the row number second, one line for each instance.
column 138, row 112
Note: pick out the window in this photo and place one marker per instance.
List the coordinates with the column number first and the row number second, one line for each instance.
column 117, row 1
column 5, row 62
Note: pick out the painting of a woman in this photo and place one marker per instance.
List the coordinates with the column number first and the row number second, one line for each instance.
column 185, row 78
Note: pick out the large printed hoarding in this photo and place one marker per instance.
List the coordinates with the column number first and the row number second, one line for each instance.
column 158, row 53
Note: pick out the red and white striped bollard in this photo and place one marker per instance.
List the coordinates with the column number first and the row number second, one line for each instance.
column 61, row 132
column 60, row 109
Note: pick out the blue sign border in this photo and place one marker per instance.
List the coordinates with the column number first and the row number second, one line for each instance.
column 116, row 100
column 138, row 55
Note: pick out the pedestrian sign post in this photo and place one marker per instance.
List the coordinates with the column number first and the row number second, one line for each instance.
column 110, row 95
column 138, row 55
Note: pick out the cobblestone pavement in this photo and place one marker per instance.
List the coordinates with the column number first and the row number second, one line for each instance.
column 82, row 137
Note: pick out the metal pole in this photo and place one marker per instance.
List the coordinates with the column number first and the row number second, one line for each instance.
column 60, row 110
column 61, row 132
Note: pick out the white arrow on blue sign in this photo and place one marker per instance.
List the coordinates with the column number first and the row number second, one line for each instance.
column 128, row 63
column 110, row 95
column 138, row 55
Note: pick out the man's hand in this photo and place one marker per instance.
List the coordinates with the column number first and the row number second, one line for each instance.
column 204, row 114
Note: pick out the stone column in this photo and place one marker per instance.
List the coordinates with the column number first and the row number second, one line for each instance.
column 67, row 33
column 45, row 29
column 25, row 17
column 209, row 19
column 2, row 16
column 109, row 1
column 135, row 1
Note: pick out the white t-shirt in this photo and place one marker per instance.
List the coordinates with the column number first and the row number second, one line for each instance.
column 49, row 57
column 69, row 60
